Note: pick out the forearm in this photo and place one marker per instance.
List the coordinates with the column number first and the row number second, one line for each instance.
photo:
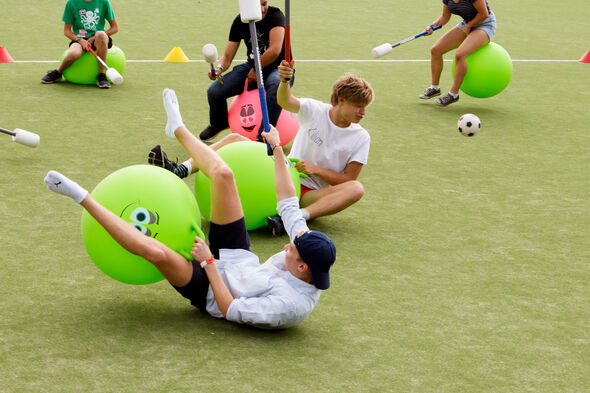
column 283, row 185
column 69, row 33
column 331, row 177
column 285, row 99
column 223, row 296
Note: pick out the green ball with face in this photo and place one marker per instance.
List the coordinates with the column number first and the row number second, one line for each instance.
column 158, row 204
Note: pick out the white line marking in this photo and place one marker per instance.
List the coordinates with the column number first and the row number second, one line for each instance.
column 323, row 61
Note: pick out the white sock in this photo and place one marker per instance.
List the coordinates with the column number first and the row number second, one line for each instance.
column 437, row 87
column 57, row 182
column 188, row 166
column 454, row 95
column 172, row 111
column 305, row 214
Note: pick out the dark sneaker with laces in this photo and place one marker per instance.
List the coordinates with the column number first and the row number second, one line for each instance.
column 51, row 77
column 446, row 100
column 102, row 82
column 429, row 93
column 276, row 225
column 157, row 157
column 208, row 133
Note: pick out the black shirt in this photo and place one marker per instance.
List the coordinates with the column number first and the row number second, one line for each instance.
column 241, row 31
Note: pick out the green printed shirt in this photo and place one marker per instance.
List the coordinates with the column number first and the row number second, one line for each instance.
column 87, row 17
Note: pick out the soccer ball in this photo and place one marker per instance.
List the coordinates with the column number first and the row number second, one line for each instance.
column 469, row 124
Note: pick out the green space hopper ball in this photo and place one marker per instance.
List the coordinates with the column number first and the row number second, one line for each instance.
column 85, row 69
column 489, row 70
column 158, row 204
column 254, row 174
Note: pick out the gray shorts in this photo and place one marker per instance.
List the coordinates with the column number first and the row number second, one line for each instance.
column 488, row 25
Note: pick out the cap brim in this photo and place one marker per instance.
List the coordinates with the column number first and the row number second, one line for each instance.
column 321, row 280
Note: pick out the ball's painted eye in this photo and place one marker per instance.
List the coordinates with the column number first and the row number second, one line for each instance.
column 142, row 215
column 143, row 229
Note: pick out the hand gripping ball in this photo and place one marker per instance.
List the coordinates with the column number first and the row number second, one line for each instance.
column 85, row 69
column 489, row 70
column 255, row 178
column 245, row 117
column 158, row 204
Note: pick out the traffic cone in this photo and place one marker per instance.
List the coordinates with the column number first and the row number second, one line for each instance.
column 5, row 56
column 585, row 58
column 176, row 55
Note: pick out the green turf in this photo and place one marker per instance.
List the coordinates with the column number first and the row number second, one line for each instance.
column 465, row 268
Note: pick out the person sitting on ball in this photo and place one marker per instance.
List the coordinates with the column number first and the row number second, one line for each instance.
column 225, row 278
column 84, row 22
column 475, row 30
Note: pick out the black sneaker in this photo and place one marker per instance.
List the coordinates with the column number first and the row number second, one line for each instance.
column 208, row 133
column 157, row 157
column 276, row 225
column 429, row 93
column 51, row 77
column 102, row 82
column 446, row 100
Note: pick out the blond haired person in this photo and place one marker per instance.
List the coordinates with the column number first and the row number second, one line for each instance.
column 331, row 146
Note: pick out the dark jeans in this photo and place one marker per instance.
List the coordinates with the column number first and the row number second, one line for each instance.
column 233, row 85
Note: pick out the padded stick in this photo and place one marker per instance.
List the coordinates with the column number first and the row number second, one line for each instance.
column 384, row 49
column 23, row 137
column 210, row 55
column 112, row 73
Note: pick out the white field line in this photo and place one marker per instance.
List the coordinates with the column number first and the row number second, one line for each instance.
column 323, row 61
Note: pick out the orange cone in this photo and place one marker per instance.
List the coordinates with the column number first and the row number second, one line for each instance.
column 5, row 56
column 585, row 58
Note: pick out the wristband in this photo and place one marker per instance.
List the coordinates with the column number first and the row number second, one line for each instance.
column 273, row 147
column 207, row 261
column 286, row 80
column 220, row 68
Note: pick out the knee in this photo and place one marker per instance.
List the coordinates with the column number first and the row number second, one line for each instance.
column 101, row 37
column 222, row 175
column 435, row 51
column 213, row 92
column 355, row 190
column 460, row 56
column 75, row 51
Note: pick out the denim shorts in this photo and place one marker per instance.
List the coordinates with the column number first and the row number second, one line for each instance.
column 488, row 25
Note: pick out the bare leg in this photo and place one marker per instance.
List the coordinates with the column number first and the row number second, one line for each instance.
column 101, row 42
column 225, row 201
column 71, row 56
column 451, row 40
column 475, row 40
column 333, row 199
column 177, row 270
column 226, row 140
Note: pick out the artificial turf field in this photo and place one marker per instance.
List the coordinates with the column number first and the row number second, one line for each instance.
column 465, row 268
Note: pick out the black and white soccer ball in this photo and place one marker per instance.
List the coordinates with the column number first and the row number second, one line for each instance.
column 469, row 124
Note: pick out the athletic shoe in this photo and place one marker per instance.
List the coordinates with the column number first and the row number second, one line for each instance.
column 51, row 77
column 157, row 157
column 429, row 93
column 102, row 82
column 276, row 225
column 446, row 100
column 208, row 133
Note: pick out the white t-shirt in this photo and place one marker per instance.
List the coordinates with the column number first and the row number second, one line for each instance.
column 322, row 143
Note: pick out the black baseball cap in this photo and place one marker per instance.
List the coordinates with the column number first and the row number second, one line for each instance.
column 319, row 253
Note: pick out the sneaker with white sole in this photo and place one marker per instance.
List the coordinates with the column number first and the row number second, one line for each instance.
column 51, row 77
column 446, row 100
column 102, row 82
column 275, row 224
column 429, row 93
column 157, row 157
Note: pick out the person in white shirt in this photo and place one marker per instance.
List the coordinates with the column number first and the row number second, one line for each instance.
column 225, row 278
column 330, row 146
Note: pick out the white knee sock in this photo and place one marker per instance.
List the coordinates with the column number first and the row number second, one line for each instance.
column 172, row 111
column 57, row 182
